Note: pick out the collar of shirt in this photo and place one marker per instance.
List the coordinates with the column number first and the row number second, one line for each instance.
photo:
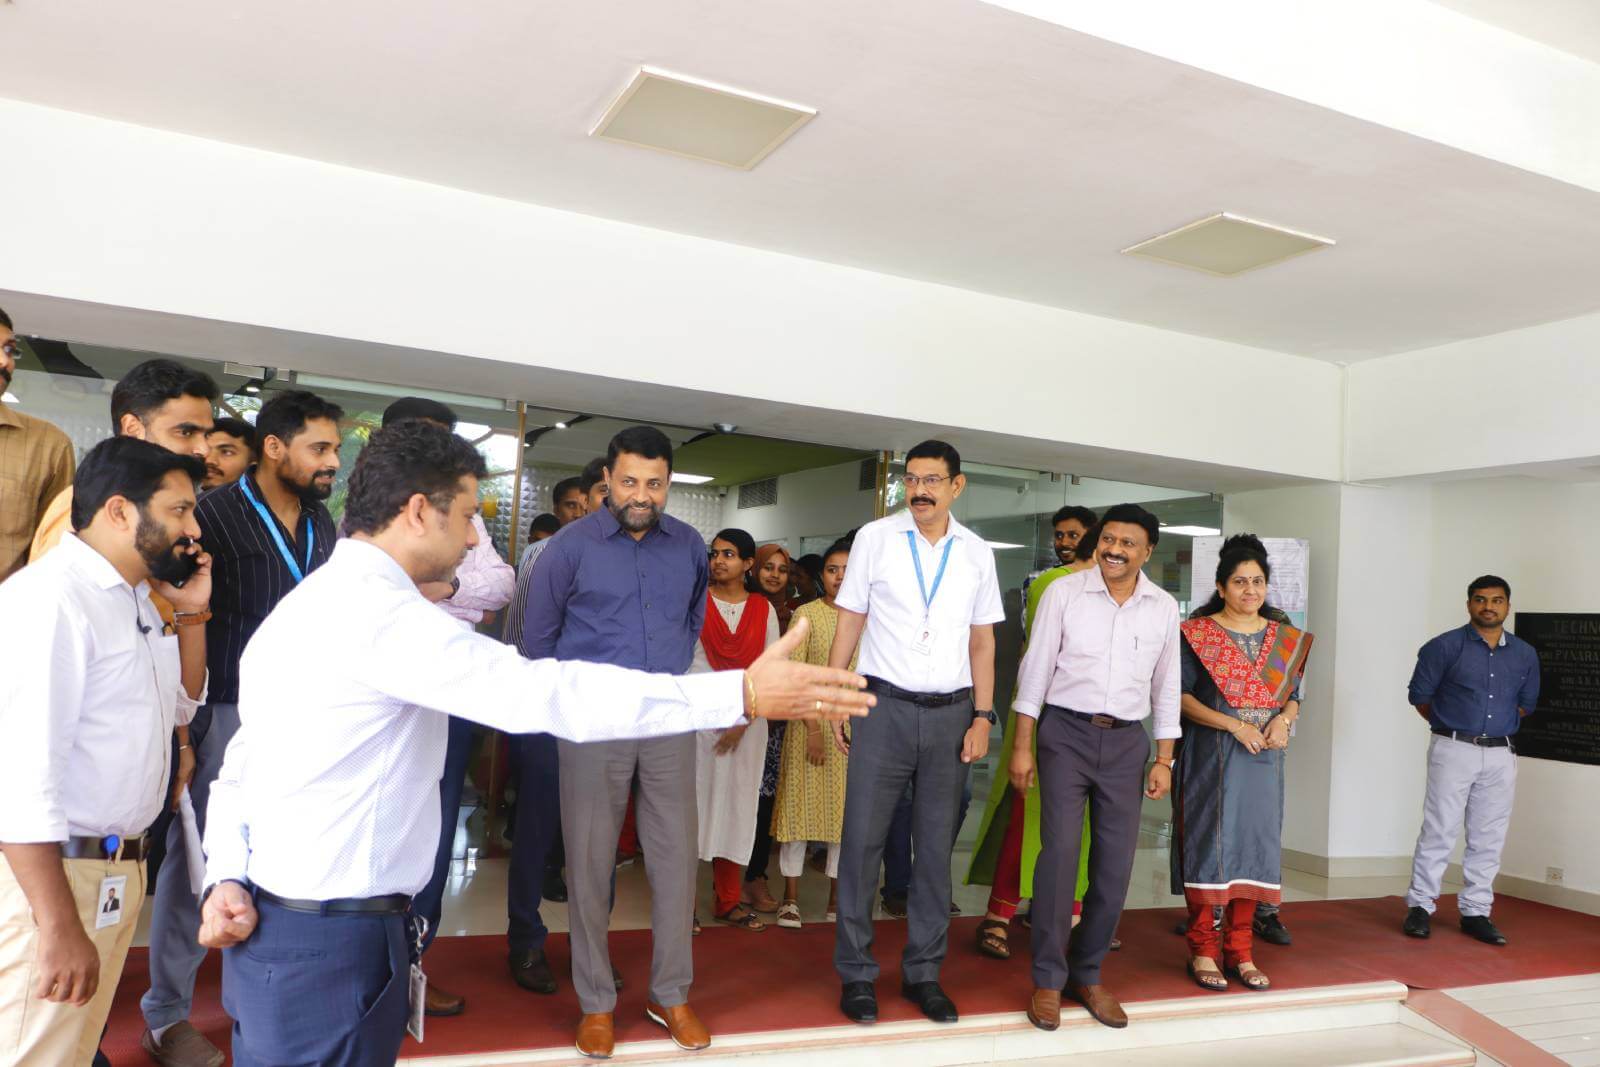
column 9, row 417
column 94, row 567
column 904, row 520
column 1472, row 634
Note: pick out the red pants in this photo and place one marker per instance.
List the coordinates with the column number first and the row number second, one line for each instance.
column 727, row 882
column 1007, row 891
column 1232, row 943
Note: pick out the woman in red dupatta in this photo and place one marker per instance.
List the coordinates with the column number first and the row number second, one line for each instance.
column 1242, row 670
column 738, row 626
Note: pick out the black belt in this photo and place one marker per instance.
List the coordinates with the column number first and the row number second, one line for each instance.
column 393, row 904
column 1481, row 740
column 1104, row 722
column 923, row 700
column 105, row 848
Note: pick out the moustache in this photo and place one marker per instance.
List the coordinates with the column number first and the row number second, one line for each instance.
column 1113, row 557
column 922, row 500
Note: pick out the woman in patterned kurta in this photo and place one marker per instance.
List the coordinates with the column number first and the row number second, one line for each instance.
column 1242, row 665
column 769, row 578
column 811, row 771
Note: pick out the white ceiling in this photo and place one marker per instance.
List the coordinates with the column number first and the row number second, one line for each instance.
column 955, row 142
column 1570, row 25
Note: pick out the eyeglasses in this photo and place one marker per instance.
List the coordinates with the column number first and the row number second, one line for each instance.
column 931, row 481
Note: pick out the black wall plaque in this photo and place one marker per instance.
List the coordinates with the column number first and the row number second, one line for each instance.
column 1566, row 726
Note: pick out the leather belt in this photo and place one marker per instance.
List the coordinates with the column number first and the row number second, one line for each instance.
column 1104, row 722
column 922, row 700
column 1481, row 740
column 111, row 848
column 393, row 904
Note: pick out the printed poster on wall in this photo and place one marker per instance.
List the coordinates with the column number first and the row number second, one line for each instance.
column 1291, row 573
column 1566, row 724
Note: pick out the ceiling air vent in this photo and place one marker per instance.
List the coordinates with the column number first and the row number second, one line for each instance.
column 758, row 494
column 700, row 119
column 869, row 475
column 1226, row 245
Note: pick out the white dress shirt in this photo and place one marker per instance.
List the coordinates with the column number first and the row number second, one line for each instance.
column 1090, row 654
column 90, row 693
column 881, row 584
column 487, row 581
column 330, row 788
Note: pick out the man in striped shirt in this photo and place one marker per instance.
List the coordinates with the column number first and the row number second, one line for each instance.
column 265, row 532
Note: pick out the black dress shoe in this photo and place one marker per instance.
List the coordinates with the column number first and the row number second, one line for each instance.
column 1417, row 923
column 894, row 905
column 531, row 971
column 1480, row 927
column 1272, row 930
column 932, row 1000
column 555, row 887
column 859, row 1002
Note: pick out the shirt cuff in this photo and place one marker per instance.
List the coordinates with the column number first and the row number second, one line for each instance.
column 1025, row 707
column 716, row 701
column 1164, row 732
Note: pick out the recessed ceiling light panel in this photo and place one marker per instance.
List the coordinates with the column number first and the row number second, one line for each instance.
column 699, row 119
column 1226, row 245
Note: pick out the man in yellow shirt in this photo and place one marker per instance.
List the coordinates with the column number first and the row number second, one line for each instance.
column 36, row 464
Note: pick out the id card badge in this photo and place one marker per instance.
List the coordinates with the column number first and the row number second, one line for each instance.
column 922, row 641
column 111, row 902
column 419, row 1001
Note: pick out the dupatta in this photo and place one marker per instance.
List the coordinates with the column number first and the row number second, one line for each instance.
column 734, row 650
column 1269, row 681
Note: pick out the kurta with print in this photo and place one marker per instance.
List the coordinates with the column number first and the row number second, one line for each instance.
column 810, row 800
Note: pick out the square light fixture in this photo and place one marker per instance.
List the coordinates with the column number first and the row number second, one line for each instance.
column 699, row 119
column 1226, row 245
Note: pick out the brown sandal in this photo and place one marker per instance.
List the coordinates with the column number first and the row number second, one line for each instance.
column 742, row 917
column 1253, row 979
column 1212, row 980
column 992, row 939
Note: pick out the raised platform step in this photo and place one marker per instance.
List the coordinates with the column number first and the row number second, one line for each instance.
column 1366, row 1012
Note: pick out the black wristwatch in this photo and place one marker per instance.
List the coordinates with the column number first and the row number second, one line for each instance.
column 990, row 715
column 455, row 587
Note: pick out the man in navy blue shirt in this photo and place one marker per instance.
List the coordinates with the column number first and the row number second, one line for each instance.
column 1473, row 685
column 626, row 585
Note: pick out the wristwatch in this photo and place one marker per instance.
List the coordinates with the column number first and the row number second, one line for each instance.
column 455, row 587
column 990, row 715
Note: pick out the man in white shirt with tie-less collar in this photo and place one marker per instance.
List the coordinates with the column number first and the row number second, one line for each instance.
column 1102, row 658
column 323, row 819
column 921, row 598
column 90, row 694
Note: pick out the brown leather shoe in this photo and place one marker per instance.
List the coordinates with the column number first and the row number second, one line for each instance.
column 682, row 1023
column 595, row 1039
column 1101, row 1004
column 438, row 1002
column 182, row 1046
column 1044, row 1010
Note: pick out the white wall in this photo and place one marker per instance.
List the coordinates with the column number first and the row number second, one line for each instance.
column 813, row 503
column 128, row 217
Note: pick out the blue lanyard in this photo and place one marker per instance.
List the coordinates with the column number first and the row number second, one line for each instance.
column 916, row 557
column 271, row 524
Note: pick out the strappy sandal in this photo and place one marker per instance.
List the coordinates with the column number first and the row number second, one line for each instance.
column 992, row 939
column 742, row 917
column 695, row 929
column 1253, row 978
column 1212, row 980
column 789, row 915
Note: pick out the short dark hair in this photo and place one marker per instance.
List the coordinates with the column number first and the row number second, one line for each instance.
column 594, row 472
column 412, row 456
column 646, row 441
column 5, row 320
column 1489, row 581
column 287, row 413
column 811, row 563
column 545, row 523
column 937, row 450
column 418, row 407
column 563, row 487
column 1133, row 513
column 742, row 542
column 129, row 468
column 841, row 545
column 237, row 428
column 1083, row 515
column 154, row 382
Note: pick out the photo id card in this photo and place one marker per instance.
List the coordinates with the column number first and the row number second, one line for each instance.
column 419, row 1002
column 111, row 902
column 922, row 641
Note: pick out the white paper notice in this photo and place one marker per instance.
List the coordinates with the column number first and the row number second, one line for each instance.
column 1291, row 572
column 192, row 852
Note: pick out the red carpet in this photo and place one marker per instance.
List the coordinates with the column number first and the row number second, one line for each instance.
column 783, row 979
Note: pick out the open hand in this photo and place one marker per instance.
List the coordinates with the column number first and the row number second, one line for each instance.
column 789, row 690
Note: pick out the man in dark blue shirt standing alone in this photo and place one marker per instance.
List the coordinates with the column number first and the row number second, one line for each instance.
column 1473, row 685
column 627, row 585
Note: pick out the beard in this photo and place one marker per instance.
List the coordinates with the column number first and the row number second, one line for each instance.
column 160, row 553
column 635, row 519
column 308, row 490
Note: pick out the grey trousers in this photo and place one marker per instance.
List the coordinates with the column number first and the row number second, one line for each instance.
column 175, row 955
column 898, row 743
column 1471, row 784
column 595, row 780
column 1079, row 764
